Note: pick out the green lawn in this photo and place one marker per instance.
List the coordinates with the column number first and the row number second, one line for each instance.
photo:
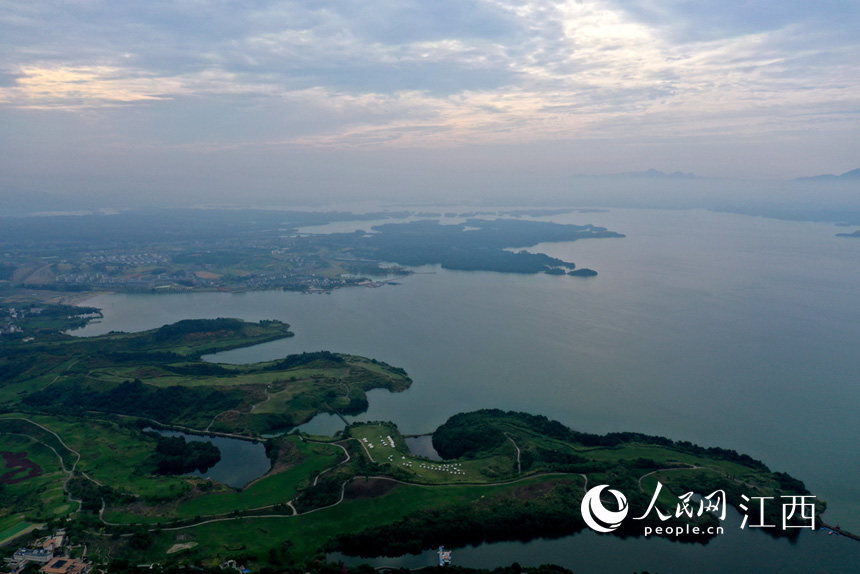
column 18, row 526
column 308, row 532
column 374, row 438
column 113, row 455
column 41, row 497
column 274, row 489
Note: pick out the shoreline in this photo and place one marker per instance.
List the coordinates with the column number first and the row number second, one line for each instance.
column 79, row 298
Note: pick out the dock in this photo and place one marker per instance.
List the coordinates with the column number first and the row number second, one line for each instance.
column 838, row 530
column 444, row 556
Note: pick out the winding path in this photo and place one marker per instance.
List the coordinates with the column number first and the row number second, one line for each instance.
column 69, row 366
column 71, row 471
column 519, row 464
column 687, row 467
column 343, row 496
column 295, row 512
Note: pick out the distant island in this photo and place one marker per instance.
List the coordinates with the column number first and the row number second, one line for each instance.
column 583, row 272
column 476, row 245
column 653, row 173
column 647, row 174
column 855, row 234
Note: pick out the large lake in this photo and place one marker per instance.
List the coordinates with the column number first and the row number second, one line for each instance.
column 736, row 550
column 721, row 329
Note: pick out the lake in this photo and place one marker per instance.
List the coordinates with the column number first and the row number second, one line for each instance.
column 588, row 552
column 242, row 461
column 721, row 329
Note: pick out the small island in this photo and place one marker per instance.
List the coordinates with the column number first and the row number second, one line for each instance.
column 583, row 272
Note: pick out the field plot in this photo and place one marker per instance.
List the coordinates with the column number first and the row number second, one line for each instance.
column 307, row 533
column 297, row 464
column 384, row 444
column 32, row 481
column 159, row 375
column 113, row 455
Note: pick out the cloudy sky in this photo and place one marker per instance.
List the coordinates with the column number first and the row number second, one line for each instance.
column 304, row 97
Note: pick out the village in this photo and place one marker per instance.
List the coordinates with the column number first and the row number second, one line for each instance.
column 50, row 555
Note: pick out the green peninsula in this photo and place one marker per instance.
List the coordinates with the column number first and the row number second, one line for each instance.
column 476, row 245
column 78, row 452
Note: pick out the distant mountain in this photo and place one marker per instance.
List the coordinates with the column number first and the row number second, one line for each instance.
column 653, row 173
column 853, row 175
column 650, row 174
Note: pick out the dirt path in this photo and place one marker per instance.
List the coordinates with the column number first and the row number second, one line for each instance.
column 519, row 464
column 71, row 471
column 223, row 518
column 212, row 422
column 366, row 451
column 343, row 496
column 674, row 468
column 69, row 366
column 255, row 405
column 180, row 428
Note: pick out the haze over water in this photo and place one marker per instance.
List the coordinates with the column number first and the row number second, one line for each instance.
column 724, row 330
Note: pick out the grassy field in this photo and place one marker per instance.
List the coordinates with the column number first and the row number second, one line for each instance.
column 17, row 529
column 53, row 372
column 377, row 441
column 308, row 532
column 278, row 487
column 274, row 489
column 113, row 455
column 34, row 494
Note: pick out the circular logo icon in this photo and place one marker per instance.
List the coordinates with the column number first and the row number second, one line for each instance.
column 597, row 516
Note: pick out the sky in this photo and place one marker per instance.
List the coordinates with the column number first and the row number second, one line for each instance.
column 220, row 100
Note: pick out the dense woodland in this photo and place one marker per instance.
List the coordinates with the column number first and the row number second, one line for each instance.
column 166, row 404
column 468, row 434
column 476, row 245
column 175, row 455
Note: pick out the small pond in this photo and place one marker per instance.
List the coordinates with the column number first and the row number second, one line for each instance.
column 241, row 460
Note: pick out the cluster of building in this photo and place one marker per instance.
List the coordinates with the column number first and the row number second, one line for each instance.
column 101, row 280
column 9, row 315
column 52, row 553
column 126, row 258
column 188, row 280
column 10, row 329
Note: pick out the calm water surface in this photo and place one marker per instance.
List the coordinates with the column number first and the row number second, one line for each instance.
column 241, row 460
column 740, row 551
column 721, row 329
column 422, row 446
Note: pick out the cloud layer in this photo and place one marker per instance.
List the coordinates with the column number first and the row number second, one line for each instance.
column 387, row 74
